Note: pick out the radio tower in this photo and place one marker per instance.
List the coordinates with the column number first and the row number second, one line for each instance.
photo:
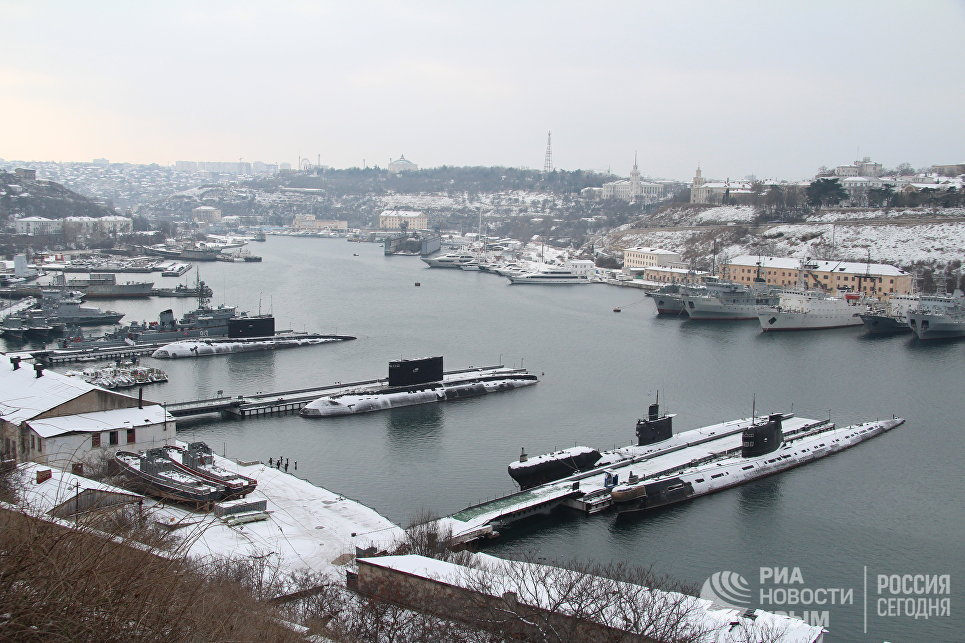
column 548, row 162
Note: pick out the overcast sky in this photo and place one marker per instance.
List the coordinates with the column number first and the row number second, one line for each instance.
column 774, row 89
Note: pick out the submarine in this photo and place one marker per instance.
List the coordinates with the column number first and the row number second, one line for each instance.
column 419, row 381
column 765, row 450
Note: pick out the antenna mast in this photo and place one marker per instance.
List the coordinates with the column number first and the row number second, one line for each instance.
column 548, row 161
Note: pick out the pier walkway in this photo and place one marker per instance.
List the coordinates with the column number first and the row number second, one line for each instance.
column 589, row 491
column 286, row 402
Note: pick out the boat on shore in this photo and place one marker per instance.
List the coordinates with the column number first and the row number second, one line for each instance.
column 198, row 459
column 765, row 450
column 121, row 375
column 155, row 474
column 420, row 381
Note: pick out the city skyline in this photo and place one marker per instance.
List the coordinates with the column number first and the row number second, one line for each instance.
column 740, row 88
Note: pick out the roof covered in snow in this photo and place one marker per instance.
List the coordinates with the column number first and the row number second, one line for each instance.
column 848, row 267
column 23, row 395
column 60, row 487
column 101, row 421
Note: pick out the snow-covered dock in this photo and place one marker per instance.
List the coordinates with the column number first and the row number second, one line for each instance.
column 305, row 528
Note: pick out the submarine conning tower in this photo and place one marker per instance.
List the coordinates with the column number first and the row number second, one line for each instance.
column 411, row 372
column 762, row 437
column 654, row 428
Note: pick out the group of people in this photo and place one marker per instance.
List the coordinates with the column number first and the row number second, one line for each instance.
column 281, row 463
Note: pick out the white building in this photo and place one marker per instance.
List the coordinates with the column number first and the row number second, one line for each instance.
column 864, row 167
column 53, row 419
column 402, row 164
column 393, row 219
column 716, row 192
column 38, row 226
column 649, row 257
column 87, row 226
column 206, row 214
column 632, row 189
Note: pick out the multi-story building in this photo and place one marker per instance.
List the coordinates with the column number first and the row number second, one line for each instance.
column 877, row 279
column 80, row 226
column 206, row 214
column 393, row 219
column 309, row 222
column 717, row 192
column 649, row 257
column 632, row 189
column 53, row 419
column 864, row 167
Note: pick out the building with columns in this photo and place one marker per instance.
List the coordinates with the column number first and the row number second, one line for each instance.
column 632, row 189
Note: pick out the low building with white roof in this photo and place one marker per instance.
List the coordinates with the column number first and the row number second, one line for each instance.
column 537, row 596
column 53, row 419
column 875, row 279
column 45, row 490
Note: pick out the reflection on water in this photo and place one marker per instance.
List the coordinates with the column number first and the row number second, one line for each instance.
column 414, row 426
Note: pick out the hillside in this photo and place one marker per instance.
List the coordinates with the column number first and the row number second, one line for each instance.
column 22, row 197
column 898, row 236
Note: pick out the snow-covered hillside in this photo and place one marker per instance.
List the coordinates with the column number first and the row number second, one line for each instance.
column 900, row 236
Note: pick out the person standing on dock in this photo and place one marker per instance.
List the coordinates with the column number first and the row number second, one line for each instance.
column 271, row 463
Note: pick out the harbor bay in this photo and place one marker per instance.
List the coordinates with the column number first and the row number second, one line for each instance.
column 884, row 507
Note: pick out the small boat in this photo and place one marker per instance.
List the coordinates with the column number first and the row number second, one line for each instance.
column 155, row 474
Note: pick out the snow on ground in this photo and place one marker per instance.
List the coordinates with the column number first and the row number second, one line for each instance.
column 726, row 214
column 308, row 528
column 897, row 213
column 899, row 244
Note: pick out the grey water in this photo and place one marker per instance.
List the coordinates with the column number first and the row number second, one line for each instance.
column 892, row 505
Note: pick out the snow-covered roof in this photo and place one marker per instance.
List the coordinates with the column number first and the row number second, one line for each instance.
column 101, row 421
column 23, row 395
column 34, row 219
column 60, row 487
column 848, row 267
column 498, row 576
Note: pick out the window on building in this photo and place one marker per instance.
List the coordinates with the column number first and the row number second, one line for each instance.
column 130, row 436
column 112, row 437
column 95, row 440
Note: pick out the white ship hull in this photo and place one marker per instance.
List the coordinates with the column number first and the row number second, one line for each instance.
column 809, row 310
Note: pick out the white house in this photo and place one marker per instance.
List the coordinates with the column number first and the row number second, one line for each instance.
column 49, row 418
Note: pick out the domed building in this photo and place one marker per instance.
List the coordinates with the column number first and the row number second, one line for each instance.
column 402, row 164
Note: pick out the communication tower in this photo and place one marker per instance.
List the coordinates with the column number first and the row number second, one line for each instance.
column 548, row 161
